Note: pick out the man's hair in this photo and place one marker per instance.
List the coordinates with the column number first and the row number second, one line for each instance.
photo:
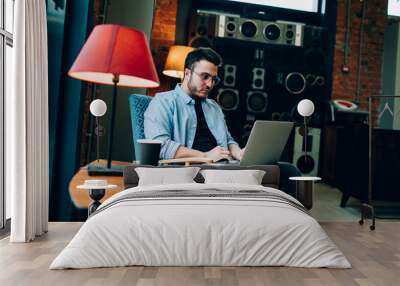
column 199, row 54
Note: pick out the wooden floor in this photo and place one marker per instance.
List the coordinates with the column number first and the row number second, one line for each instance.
column 375, row 257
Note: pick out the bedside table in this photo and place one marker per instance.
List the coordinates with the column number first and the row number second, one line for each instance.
column 81, row 199
column 305, row 190
column 97, row 190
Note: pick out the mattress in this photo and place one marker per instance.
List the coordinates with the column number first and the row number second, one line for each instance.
column 201, row 225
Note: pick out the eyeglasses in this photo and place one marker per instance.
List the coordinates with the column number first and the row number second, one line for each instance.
column 206, row 77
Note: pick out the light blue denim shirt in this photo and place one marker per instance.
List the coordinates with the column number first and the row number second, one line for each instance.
column 171, row 118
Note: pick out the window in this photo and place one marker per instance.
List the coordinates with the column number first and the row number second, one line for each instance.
column 393, row 8
column 305, row 5
column 6, row 45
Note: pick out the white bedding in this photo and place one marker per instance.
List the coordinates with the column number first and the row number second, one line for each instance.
column 200, row 231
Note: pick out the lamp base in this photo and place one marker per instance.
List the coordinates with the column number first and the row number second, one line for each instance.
column 102, row 170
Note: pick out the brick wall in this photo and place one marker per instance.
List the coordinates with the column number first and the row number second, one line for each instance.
column 345, row 84
column 162, row 37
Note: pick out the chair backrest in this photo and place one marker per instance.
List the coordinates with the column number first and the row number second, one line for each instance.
column 138, row 104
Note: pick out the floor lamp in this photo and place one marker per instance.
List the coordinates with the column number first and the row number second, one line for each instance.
column 175, row 63
column 305, row 109
column 97, row 108
column 117, row 56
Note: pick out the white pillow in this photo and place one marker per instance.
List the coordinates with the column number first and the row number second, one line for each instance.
column 166, row 176
column 248, row 177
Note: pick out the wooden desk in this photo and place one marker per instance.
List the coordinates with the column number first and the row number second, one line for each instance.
column 81, row 198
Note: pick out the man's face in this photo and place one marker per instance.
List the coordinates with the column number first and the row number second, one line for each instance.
column 202, row 78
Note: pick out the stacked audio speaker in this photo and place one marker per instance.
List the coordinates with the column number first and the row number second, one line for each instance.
column 202, row 30
column 228, row 96
column 253, row 30
column 307, row 164
column 269, row 66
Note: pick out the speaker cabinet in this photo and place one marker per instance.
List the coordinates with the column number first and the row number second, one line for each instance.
column 229, row 77
column 266, row 81
column 289, row 88
column 258, row 78
column 294, row 82
column 228, row 99
column 307, row 165
column 315, row 45
column 283, row 33
column 202, row 30
column 257, row 101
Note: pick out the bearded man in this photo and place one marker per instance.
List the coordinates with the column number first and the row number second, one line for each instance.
column 187, row 122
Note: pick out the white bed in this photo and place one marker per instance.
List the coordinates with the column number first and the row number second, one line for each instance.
column 185, row 230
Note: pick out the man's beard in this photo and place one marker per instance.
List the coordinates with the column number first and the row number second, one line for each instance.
column 194, row 90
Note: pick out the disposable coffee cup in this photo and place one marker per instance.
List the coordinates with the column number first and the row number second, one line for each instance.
column 149, row 151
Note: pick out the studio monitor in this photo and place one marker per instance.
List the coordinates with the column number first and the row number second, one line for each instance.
column 258, row 78
column 308, row 165
column 202, row 30
column 254, row 30
column 315, row 47
column 229, row 78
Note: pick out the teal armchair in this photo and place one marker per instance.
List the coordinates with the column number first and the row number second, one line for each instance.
column 138, row 104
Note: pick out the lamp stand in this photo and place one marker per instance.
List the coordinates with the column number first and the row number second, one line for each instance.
column 111, row 122
column 305, row 138
column 109, row 170
column 97, row 140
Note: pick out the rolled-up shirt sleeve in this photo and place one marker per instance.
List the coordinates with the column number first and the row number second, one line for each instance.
column 230, row 138
column 158, row 125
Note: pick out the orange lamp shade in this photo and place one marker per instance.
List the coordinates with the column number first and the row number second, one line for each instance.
column 174, row 66
column 113, row 50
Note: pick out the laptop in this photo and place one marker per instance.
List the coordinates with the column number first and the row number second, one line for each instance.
column 266, row 142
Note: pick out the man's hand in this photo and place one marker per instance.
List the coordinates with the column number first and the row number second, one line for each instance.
column 236, row 152
column 217, row 153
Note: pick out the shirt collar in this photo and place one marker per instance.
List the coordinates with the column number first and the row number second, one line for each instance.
column 186, row 98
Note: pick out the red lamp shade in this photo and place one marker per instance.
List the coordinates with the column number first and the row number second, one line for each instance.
column 113, row 50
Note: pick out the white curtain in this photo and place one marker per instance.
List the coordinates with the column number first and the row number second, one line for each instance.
column 27, row 124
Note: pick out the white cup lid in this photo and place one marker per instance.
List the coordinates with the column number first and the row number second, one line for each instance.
column 149, row 141
column 96, row 183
